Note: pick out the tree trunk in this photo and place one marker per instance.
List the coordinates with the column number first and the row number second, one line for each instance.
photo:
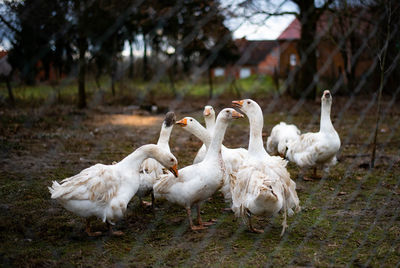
column 171, row 75
column 275, row 78
column 372, row 163
column 131, row 70
column 82, row 72
column 382, row 62
column 113, row 74
column 9, row 88
column 145, row 70
column 347, row 53
column 97, row 79
column 305, row 85
column 46, row 66
column 210, row 83
column 114, row 66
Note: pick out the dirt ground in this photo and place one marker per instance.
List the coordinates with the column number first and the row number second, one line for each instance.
column 349, row 217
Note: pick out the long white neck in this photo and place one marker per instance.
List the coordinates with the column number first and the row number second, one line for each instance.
column 256, row 120
column 165, row 134
column 210, row 123
column 135, row 159
column 218, row 136
column 201, row 133
column 326, row 123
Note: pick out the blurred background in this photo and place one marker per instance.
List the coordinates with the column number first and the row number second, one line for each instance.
column 138, row 51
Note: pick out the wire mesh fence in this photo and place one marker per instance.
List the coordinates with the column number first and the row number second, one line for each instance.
column 349, row 216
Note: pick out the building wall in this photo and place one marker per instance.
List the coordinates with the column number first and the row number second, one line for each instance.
column 270, row 64
column 329, row 60
column 285, row 58
column 235, row 70
column 286, row 49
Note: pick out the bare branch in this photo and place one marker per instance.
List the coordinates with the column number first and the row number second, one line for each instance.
column 8, row 24
column 276, row 13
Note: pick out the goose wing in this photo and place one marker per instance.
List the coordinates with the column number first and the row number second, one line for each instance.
column 99, row 183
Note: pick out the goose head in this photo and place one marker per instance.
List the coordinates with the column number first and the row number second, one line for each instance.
column 194, row 127
column 209, row 117
column 228, row 114
column 326, row 97
column 168, row 160
column 170, row 119
column 208, row 111
column 248, row 106
column 190, row 124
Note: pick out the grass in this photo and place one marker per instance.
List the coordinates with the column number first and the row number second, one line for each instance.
column 349, row 218
column 66, row 91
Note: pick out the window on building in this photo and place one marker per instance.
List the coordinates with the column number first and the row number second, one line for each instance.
column 293, row 60
column 219, row 72
column 244, row 72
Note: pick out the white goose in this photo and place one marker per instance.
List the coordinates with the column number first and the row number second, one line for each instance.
column 281, row 135
column 233, row 158
column 209, row 119
column 198, row 182
column 262, row 185
column 151, row 170
column 320, row 148
column 104, row 191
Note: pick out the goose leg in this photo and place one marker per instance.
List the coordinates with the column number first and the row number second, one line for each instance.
column 144, row 204
column 199, row 221
column 88, row 231
column 112, row 232
column 192, row 226
column 284, row 223
column 252, row 229
column 315, row 174
column 306, row 178
column 153, row 200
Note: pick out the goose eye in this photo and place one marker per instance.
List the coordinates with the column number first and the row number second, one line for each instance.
column 227, row 112
column 171, row 159
column 191, row 120
column 248, row 102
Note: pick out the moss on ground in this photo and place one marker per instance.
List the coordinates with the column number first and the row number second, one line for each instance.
column 349, row 217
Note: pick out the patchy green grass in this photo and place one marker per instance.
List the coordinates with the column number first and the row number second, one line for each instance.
column 127, row 91
column 349, row 217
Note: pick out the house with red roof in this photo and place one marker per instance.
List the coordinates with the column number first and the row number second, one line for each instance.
column 253, row 56
column 280, row 57
column 330, row 62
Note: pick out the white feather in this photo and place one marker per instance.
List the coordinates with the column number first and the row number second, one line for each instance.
column 320, row 148
column 262, row 185
column 279, row 138
column 105, row 190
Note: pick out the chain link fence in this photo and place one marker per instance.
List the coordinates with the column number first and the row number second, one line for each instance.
column 349, row 217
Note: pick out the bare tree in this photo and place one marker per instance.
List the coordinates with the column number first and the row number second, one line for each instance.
column 381, row 55
column 6, row 71
column 308, row 14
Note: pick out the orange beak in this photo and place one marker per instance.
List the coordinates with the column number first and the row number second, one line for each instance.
column 182, row 122
column 238, row 104
column 237, row 115
column 174, row 170
column 206, row 112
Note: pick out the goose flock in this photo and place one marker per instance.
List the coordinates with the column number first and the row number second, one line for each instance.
column 253, row 181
